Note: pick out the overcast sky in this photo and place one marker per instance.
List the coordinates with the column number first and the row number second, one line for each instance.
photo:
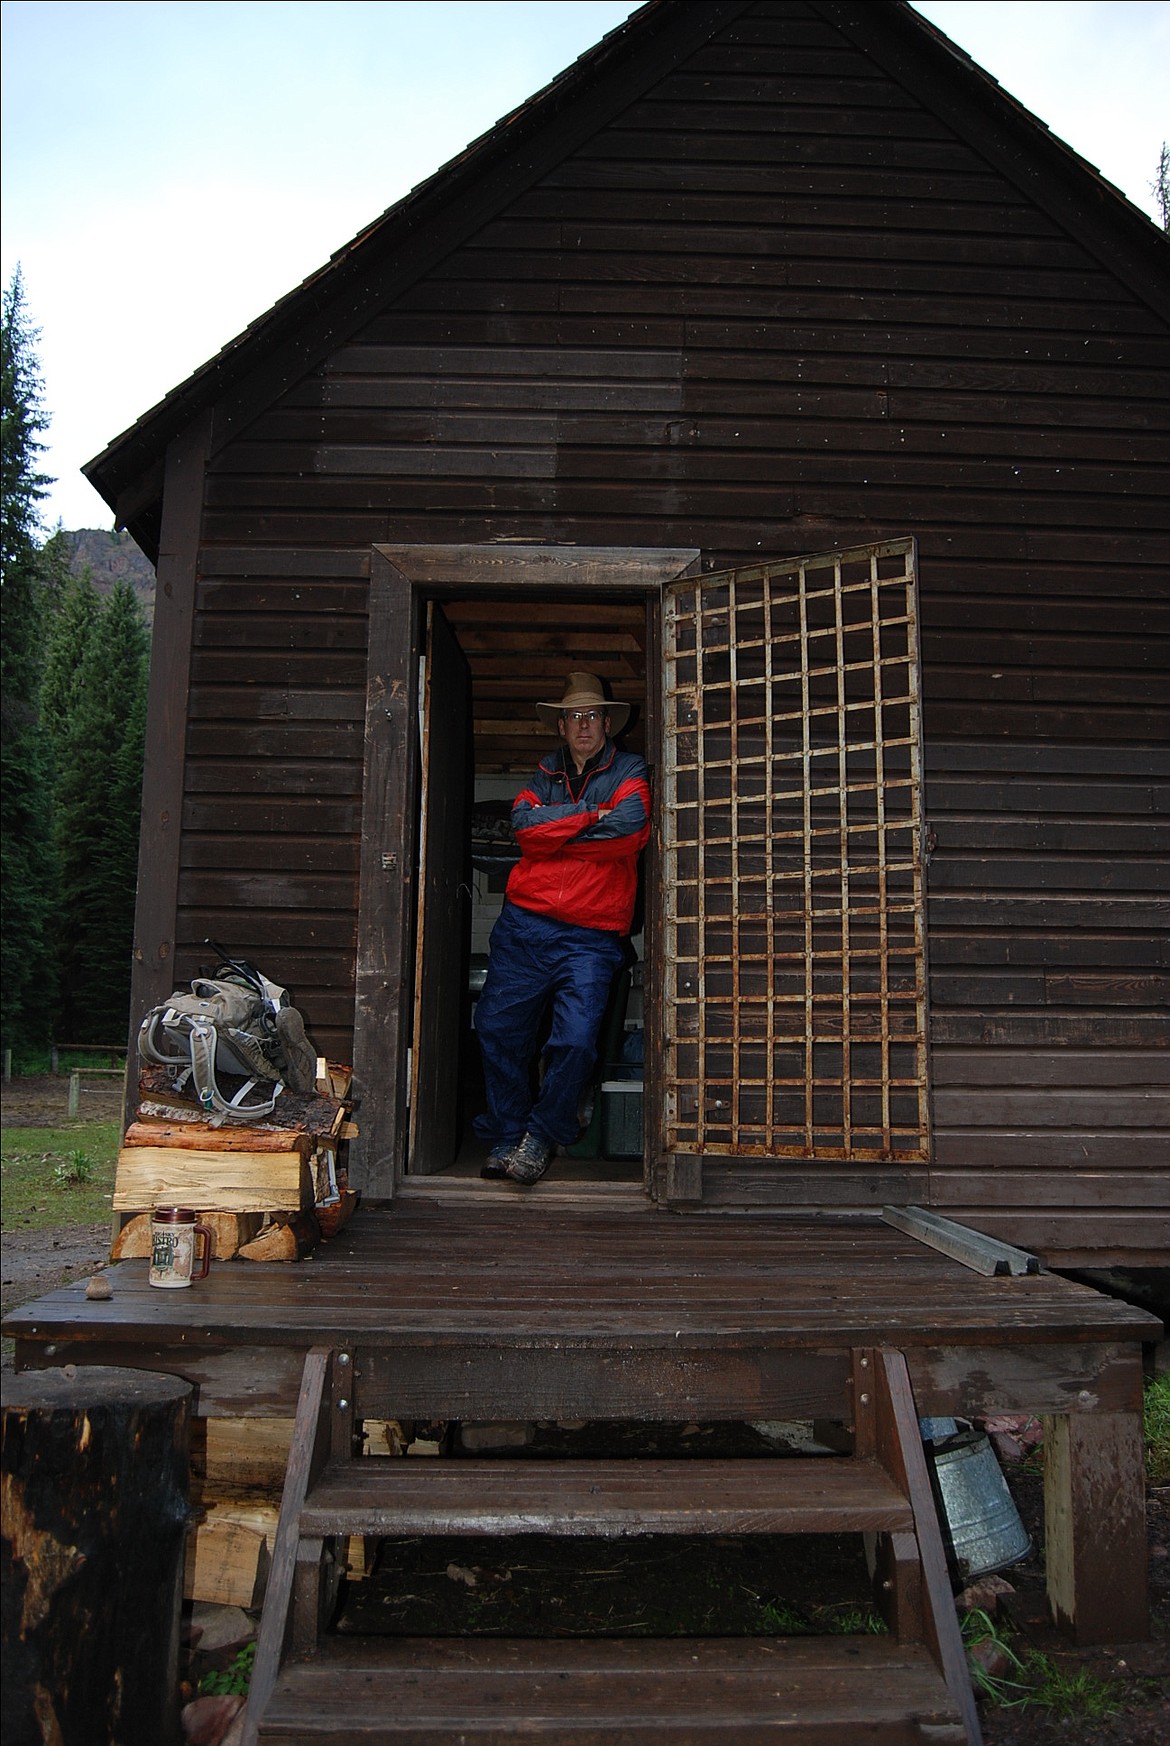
column 172, row 167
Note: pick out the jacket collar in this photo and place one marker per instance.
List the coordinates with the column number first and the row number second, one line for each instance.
column 559, row 763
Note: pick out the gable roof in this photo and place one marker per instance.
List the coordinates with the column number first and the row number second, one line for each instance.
column 402, row 245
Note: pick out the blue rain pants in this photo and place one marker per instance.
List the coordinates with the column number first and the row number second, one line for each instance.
column 535, row 959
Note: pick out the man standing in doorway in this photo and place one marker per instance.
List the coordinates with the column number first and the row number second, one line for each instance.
column 580, row 824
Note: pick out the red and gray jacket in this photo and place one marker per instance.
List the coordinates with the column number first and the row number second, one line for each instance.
column 575, row 864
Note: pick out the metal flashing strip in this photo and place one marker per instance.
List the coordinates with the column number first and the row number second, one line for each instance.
column 986, row 1255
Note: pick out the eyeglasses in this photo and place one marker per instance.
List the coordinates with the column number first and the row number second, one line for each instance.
column 579, row 716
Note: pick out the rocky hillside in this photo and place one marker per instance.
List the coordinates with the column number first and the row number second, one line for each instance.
column 111, row 557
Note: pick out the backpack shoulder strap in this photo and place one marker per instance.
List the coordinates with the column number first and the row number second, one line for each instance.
column 203, row 1047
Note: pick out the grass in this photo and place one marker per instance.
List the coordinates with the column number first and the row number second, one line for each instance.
column 1157, row 1430
column 1066, row 1694
column 57, row 1176
column 31, row 1063
column 1035, row 1679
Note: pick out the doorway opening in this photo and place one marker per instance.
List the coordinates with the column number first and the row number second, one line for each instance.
column 485, row 661
column 783, row 936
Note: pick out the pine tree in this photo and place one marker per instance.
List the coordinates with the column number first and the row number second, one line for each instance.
column 55, row 565
column 98, row 802
column 26, row 959
column 72, row 607
column 22, row 417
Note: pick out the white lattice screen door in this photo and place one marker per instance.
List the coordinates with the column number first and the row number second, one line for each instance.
column 795, row 1009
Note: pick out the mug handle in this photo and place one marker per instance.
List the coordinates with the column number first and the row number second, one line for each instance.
column 208, row 1236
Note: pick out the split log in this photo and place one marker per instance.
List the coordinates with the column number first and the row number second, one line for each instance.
column 222, row 1181
column 229, row 1231
column 360, row 1555
column 325, row 1183
column 337, row 1213
column 238, row 1468
column 382, row 1437
column 230, row 1551
column 132, row 1242
column 154, row 1110
column 305, row 1111
column 195, row 1137
column 229, row 1456
column 95, row 1517
column 290, row 1240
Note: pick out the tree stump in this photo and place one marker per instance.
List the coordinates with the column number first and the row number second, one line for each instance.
column 95, row 1467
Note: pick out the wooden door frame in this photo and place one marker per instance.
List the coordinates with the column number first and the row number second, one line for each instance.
column 401, row 577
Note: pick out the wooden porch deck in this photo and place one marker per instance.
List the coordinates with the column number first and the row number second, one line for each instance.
column 545, row 1283
column 492, row 1304
column 469, row 1303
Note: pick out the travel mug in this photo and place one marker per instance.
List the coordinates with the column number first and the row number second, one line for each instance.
column 174, row 1236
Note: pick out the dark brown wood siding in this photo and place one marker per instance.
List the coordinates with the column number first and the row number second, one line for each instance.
column 272, row 802
column 778, row 305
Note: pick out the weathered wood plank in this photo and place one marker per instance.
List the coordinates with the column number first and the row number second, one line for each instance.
column 643, row 1288
column 1072, row 1188
column 230, row 1381
column 310, row 1445
column 1089, row 1069
column 705, row 1691
column 1032, row 1378
column 1122, row 1029
column 900, row 1450
column 1095, row 1526
column 386, row 887
column 1066, row 1236
column 569, row 1379
column 603, row 1499
column 1039, row 1148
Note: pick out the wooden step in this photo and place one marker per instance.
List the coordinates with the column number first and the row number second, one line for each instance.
column 796, row 1495
column 598, row 1692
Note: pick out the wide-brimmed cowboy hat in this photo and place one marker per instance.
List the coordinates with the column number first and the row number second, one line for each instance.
column 584, row 691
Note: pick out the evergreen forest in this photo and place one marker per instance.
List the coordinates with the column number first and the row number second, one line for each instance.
column 73, row 675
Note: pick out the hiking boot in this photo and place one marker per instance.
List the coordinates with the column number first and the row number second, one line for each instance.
column 496, row 1167
column 299, row 1053
column 530, row 1159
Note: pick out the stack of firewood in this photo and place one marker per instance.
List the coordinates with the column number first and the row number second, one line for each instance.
column 269, row 1190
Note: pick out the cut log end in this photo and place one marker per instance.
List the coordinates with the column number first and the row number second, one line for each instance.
column 290, row 1240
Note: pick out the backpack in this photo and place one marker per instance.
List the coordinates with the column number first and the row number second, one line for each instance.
column 236, row 1023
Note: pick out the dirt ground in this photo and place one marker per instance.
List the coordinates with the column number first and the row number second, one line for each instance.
column 1138, row 1675
column 35, row 1262
column 42, row 1101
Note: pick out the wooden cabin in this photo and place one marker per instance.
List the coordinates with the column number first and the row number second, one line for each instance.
column 748, row 284
column 776, row 365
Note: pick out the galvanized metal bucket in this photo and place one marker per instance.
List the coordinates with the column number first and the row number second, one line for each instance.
column 979, row 1514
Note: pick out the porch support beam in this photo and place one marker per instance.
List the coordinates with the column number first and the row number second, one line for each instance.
column 386, row 890
column 1095, row 1526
